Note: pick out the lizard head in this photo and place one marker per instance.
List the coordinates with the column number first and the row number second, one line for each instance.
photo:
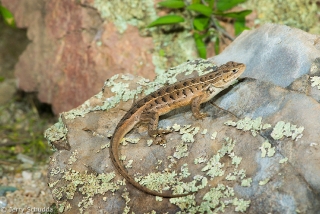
column 228, row 73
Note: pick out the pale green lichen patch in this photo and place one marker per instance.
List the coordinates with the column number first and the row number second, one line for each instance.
column 264, row 182
column 214, row 167
column 201, row 159
column 315, row 81
column 149, row 142
column 125, row 196
column 184, row 171
column 283, row 160
column 161, row 181
column 73, row 157
column 181, row 151
column 236, row 174
column 248, row 124
column 282, row 129
column 88, row 185
column 57, row 132
column 214, row 201
column 129, row 164
column 267, row 149
column 214, row 135
column 187, row 136
column 204, row 131
column 240, row 204
column 246, row 182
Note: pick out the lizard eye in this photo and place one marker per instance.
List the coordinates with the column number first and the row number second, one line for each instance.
column 234, row 70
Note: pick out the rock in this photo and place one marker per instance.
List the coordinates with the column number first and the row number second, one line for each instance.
column 26, row 175
column 75, row 51
column 256, row 152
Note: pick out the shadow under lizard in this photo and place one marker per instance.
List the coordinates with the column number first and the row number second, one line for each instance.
column 191, row 91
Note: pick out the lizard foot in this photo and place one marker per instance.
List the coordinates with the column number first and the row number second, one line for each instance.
column 200, row 116
column 158, row 136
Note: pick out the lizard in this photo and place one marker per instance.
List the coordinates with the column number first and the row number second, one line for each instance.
column 191, row 91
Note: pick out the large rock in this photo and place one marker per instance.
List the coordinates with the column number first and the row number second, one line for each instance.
column 256, row 152
column 72, row 51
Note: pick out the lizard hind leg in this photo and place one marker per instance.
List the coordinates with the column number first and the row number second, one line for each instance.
column 153, row 119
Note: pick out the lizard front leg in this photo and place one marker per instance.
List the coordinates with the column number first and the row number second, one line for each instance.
column 153, row 119
column 195, row 107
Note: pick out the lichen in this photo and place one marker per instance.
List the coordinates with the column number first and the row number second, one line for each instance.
column 248, row 124
column 57, row 132
column 240, row 204
column 246, row 182
column 129, row 164
column 160, row 181
column 285, row 12
column 282, row 129
column 187, row 136
column 88, row 185
column 73, row 157
column 283, row 160
column 315, row 81
column 214, row 168
column 204, row 131
column 267, row 149
column 264, row 182
column 214, row 135
column 200, row 160
column 126, row 12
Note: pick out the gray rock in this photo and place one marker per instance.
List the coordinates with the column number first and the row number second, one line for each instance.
column 256, row 152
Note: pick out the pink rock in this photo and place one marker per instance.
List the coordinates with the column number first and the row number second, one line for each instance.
column 72, row 51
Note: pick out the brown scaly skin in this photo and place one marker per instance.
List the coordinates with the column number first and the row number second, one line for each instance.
column 192, row 91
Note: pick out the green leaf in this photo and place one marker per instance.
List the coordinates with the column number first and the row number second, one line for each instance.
column 217, row 46
column 210, row 3
column 201, row 47
column 172, row 4
column 1, row 79
column 236, row 15
column 200, row 8
column 8, row 17
column 223, row 5
column 166, row 20
column 201, row 23
column 239, row 26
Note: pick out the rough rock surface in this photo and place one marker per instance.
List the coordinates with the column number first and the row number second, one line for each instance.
column 258, row 155
column 72, row 51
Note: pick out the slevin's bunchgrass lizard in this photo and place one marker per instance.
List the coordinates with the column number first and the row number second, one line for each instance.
column 192, row 91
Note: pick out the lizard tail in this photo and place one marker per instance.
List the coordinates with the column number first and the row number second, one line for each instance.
column 114, row 155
